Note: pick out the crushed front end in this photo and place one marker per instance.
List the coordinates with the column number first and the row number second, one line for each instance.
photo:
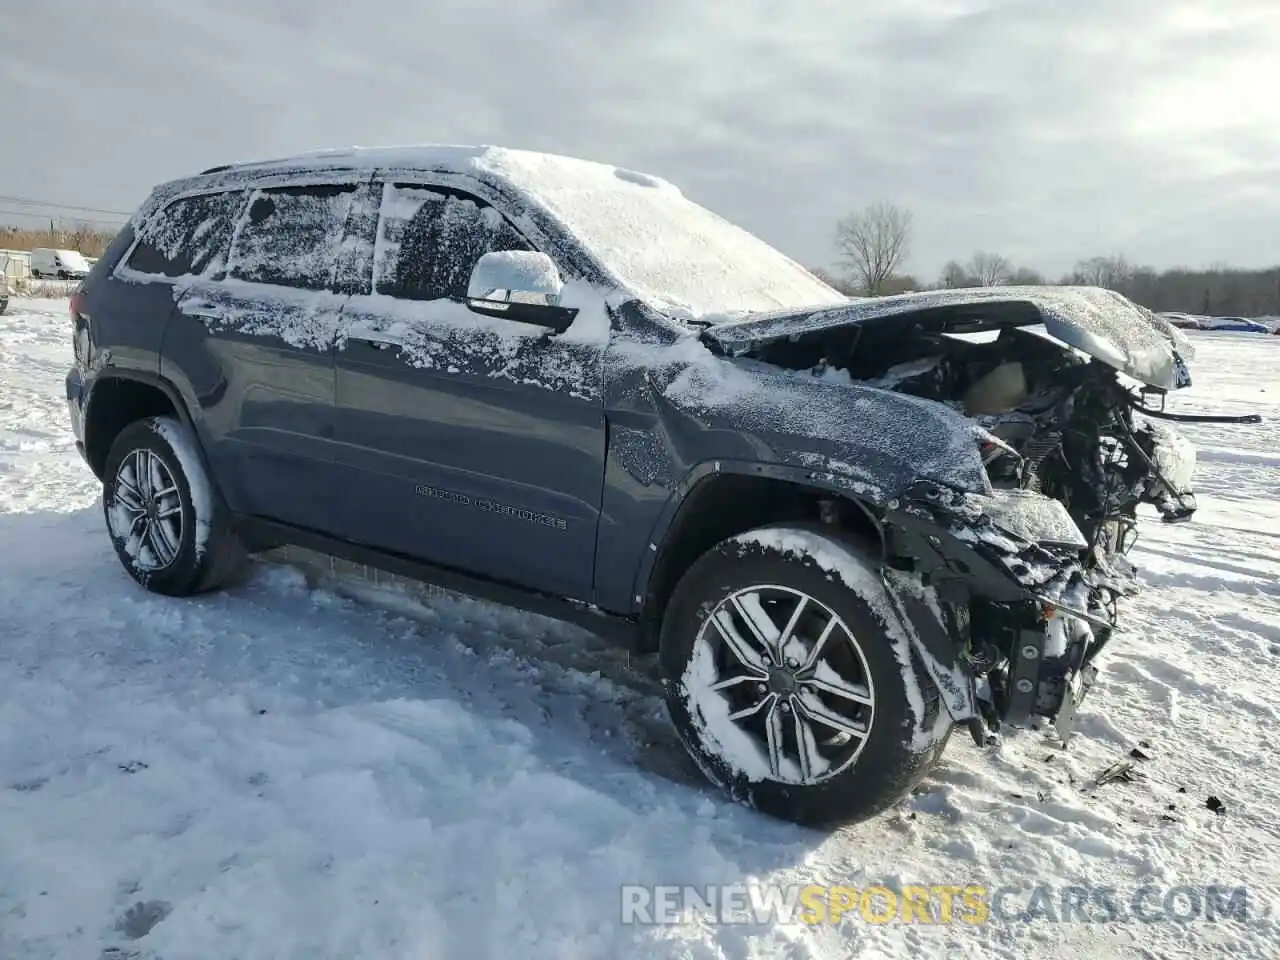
column 1012, row 590
column 1029, row 575
column 1018, row 598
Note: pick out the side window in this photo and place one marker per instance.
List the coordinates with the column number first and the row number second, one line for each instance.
column 292, row 236
column 188, row 237
column 355, row 256
column 429, row 240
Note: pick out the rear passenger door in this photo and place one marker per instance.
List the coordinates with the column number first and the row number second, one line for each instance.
column 467, row 441
column 256, row 337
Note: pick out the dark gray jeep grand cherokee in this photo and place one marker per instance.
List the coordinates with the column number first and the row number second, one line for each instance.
column 844, row 525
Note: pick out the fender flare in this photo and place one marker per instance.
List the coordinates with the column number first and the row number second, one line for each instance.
column 683, row 494
column 147, row 378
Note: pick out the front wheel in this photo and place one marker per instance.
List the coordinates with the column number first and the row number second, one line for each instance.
column 170, row 529
column 791, row 679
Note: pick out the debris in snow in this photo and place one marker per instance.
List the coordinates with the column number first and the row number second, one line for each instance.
column 1137, row 754
column 142, row 917
column 1216, row 805
column 132, row 766
column 1122, row 771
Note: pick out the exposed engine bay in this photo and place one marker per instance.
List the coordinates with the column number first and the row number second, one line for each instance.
column 1059, row 430
column 1061, row 423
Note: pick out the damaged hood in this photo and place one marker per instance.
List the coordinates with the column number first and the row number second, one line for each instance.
column 1101, row 323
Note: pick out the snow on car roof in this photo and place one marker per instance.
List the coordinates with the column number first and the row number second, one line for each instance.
column 446, row 157
column 674, row 253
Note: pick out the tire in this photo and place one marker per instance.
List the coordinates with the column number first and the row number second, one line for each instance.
column 198, row 552
column 904, row 729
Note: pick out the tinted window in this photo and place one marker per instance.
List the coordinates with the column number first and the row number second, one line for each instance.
column 187, row 237
column 292, row 236
column 429, row 240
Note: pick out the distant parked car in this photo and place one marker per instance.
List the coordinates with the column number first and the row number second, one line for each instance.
column 49, row 264
column 1235, row 324
column 1184, row 320
column 4, row 294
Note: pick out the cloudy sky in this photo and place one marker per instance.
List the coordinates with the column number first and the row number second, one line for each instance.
column 1047, row 130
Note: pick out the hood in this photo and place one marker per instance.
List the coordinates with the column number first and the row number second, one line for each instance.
column 1101, row 323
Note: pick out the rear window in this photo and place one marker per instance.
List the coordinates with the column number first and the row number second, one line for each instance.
column 188, row 237
column 293, row 236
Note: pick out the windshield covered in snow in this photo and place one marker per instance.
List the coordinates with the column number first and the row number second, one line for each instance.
column 672, row 252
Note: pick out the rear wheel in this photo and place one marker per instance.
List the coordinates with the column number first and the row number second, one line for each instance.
column 170, row 529
column 791, row 680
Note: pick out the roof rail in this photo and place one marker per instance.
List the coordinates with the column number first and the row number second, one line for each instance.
column 326, row 153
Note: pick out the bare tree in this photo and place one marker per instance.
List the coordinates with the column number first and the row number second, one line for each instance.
column 989, row 269
column 1217, row 289
column 1110, row 272
column 874, row 243
column 954, row 276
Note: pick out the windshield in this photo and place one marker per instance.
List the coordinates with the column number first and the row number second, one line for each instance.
column 672, row 252
column 72, row 260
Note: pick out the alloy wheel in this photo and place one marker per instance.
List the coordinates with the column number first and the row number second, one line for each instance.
column 146, row 513
column 793, row 678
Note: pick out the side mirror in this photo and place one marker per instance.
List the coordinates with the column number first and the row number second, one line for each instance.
column 520, row 285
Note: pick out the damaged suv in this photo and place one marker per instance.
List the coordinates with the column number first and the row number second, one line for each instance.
column 844, row 526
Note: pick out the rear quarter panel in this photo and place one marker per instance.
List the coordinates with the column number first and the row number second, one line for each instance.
column 126, row 320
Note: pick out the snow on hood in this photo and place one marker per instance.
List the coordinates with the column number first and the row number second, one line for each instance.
column 1101, row 323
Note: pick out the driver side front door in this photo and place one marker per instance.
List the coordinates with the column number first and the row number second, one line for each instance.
column 466, row 441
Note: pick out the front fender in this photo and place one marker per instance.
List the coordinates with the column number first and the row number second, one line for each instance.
column 874, row 442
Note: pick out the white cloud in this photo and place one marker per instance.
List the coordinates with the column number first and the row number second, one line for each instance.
column 1047, row 131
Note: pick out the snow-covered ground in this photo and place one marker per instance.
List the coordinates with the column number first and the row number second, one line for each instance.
column 282, row 772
